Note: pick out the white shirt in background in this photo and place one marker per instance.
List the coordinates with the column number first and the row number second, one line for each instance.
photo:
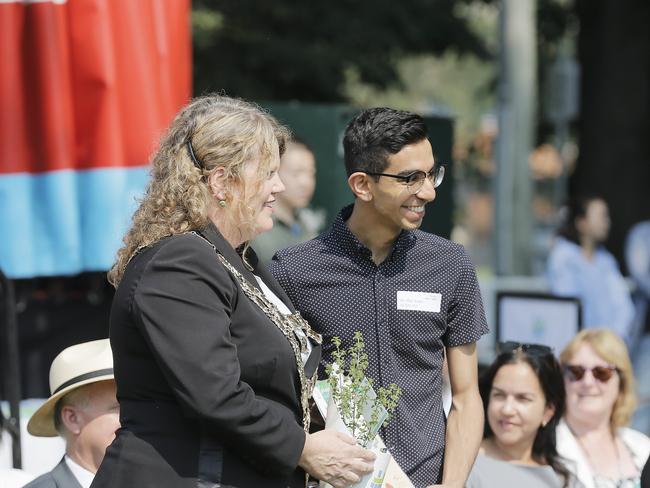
column 84, row 477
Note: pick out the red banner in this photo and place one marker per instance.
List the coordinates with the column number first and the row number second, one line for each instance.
column 89, row 83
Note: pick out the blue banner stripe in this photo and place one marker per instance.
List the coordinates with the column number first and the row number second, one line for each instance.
column 66, row 222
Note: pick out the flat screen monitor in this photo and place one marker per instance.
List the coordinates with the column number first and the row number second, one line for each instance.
column 537, row 318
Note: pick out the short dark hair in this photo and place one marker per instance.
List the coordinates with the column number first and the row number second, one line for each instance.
column 376, row 133
column 549, row 373
column 575, row 209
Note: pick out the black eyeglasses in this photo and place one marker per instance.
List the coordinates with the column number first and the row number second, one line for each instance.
column 415, row 181
column 575, row 372
column 534, row 349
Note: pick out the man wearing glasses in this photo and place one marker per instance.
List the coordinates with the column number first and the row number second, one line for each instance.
column 413, row 295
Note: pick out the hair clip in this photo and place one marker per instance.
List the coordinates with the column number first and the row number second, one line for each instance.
column 190, row 150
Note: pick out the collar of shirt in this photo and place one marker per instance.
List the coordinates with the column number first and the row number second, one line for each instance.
column 343, row 237
column 84, row 477
column 284, row 310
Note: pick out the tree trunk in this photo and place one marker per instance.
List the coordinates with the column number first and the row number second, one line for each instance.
column 614, row 161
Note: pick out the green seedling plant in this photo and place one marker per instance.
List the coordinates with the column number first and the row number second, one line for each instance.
column 361, row 409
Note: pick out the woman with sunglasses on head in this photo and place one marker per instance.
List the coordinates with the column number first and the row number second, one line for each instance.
column 600, row 451
column 523, row 397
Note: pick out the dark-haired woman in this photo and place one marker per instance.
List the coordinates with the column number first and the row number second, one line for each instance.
column 580, row 266
column 523, row 397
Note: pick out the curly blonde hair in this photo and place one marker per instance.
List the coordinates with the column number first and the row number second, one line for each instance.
column 612, row 349
column 224, row 133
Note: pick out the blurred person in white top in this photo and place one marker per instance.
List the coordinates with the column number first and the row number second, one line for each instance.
column 580, row 266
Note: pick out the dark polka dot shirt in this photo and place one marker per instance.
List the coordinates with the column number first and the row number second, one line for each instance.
column 423, row 298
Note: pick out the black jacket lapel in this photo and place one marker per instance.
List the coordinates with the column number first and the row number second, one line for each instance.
column 270, row 281
column 267, row 277
column 212, row 234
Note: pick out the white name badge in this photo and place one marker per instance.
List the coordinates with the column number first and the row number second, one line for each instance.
column 417, row 300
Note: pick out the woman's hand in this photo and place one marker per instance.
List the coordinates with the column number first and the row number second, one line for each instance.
column 335, row 457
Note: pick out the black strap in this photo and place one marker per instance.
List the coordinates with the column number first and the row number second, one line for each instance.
column 83, row 377
column 195, row 160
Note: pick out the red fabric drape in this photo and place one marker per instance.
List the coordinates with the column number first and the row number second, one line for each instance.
column 89, row 83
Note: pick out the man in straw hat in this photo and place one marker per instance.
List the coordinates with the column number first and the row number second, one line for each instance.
column 83, row 410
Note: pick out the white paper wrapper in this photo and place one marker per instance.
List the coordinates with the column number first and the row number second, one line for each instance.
column 381, row 466
column 394, row 477
column 371, row 480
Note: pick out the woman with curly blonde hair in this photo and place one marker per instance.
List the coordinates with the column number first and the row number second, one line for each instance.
column 600, row 451
column 213, row 365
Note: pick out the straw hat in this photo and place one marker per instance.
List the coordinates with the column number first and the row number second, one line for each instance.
column 75, row 366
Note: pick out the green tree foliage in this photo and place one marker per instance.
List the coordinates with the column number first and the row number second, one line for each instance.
column 295, row 49
column 614, row 161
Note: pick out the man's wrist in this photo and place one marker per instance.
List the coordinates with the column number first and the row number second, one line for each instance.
column 453, row 484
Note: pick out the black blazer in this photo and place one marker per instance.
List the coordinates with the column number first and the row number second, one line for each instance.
column 59, row 477
column 208, row 386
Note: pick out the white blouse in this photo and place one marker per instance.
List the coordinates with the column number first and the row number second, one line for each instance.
column 285, row 311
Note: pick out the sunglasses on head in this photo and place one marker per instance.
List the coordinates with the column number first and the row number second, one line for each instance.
column 534, row 349
column 575, row 372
